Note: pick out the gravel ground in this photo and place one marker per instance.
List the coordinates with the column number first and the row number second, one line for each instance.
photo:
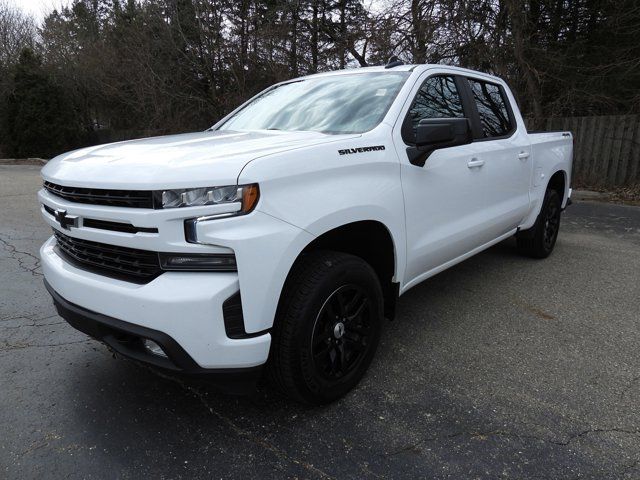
column 501, row 367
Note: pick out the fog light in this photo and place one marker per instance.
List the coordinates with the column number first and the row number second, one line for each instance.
column 153, row 348
column 222, row 262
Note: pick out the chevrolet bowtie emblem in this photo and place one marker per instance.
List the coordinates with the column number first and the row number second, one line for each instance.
column 65, row 221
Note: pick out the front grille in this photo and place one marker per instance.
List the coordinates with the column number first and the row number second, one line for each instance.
column 107, row 225
column 99, row 196
column 115, row 226
column 130, row 264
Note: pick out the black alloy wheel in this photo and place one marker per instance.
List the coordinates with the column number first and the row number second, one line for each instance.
column 540, row 240
column 341, row 332
column 551, row 225
column 327, row 327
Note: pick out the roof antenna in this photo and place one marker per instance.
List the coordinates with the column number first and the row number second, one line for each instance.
column 394, row 61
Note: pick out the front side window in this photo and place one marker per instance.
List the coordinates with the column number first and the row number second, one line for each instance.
column 492, row 108
column 351, row 103
column 438, row 97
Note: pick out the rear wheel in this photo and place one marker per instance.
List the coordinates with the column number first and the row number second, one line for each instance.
column 327, row 328
column 539, row 240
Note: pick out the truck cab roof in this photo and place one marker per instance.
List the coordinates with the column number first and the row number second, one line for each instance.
column 417, row 68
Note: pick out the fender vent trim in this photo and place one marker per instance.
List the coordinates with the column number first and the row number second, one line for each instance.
column 234, row 319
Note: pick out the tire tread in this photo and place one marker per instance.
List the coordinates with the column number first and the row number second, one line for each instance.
column 530, row 242
column 305, row 277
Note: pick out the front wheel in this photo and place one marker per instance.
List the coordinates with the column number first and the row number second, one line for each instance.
column 327, row 328
column 539, row 240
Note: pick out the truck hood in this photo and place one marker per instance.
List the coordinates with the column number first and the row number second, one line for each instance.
column 175, row 161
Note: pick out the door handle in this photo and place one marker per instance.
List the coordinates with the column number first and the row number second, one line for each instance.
column 523, row 155
column 475, row 163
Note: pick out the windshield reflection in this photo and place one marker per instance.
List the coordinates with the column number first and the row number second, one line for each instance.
column 335, row 104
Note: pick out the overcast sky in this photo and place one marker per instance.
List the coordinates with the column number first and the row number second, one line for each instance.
column 39, row 8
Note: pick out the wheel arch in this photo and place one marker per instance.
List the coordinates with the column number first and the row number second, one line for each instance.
column 558, row 182
column 370, row 240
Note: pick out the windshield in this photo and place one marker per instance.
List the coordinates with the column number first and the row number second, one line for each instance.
column 334, row 104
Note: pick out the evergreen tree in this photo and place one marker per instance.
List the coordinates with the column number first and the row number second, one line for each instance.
column 38, row 120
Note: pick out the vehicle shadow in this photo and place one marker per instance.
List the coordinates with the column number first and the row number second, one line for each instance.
column 438, row 395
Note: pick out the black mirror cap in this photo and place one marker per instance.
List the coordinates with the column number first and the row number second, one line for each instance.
column 435, row 133
column 442, row 131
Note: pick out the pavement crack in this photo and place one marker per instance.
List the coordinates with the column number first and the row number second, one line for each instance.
column 50, row 324
column 17, row 195
column 23, row 258
column 415, row 447
column 16, row 317
column 19, row 346
column 32, row 448
column 241, row 431
column 33, row 324
column 590, row 431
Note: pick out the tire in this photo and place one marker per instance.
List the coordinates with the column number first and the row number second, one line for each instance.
column 539, row 240
column 327, row 327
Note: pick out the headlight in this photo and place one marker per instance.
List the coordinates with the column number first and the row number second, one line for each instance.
column 246, row 195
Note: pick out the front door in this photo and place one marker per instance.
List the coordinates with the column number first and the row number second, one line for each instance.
column 445, row 205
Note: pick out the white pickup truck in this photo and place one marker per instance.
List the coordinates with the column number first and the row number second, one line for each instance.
column 278, row 240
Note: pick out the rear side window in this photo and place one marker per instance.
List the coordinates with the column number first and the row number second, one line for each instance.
column 438, row 97
column 492, row 108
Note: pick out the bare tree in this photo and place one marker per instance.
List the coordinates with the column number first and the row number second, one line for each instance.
column 17, row 31
column 152, row 66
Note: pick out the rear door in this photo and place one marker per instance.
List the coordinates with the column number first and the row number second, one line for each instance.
column 504, row 151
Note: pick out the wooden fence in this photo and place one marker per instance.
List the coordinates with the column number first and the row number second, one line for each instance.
column 606, row 149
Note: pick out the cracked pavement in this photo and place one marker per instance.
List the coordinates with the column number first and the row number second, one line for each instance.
column 501, row 367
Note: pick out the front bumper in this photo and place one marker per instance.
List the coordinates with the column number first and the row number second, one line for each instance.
column 126, row 339
column 181, row 309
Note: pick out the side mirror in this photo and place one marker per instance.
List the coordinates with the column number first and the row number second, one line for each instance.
column 435, row 133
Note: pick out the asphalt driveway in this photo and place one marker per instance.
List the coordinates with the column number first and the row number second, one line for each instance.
column 501, row 367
